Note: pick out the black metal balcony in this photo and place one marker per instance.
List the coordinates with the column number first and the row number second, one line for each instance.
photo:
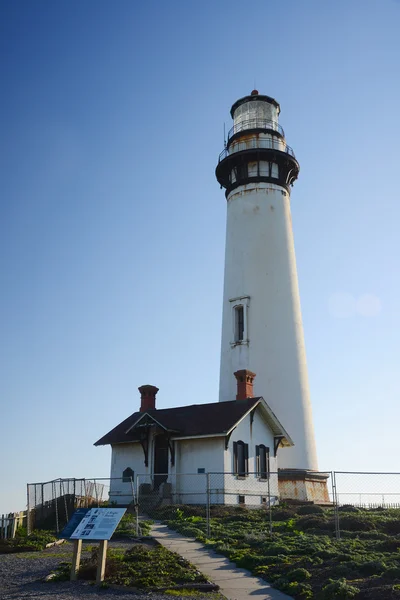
column 264, row 124
column 264, row 143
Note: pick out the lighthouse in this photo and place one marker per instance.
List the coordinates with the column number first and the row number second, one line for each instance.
column 262, row 330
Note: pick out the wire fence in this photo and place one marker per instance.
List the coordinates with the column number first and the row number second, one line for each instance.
column 50, row 504
column 208, row 496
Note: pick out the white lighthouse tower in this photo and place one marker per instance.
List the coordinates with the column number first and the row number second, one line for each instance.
column 262, row 327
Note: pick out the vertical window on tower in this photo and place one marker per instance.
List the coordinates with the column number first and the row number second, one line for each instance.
column 239, row 323
column 240, row 320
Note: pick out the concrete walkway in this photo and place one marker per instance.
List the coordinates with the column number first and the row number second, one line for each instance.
column 234, row 583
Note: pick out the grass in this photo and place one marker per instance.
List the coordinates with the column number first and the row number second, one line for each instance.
column 35, row 542
column 302, row 556
column 141, row 567
column 127, row 526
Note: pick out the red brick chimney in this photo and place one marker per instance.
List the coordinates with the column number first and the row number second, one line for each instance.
column 148, row 397
column 244, row 384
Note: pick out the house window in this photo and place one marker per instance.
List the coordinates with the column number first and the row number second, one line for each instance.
column 128, row 475
column 240, row 458
column 239, row 323
column 201, row 470
column 262, row 461
column 241, row 500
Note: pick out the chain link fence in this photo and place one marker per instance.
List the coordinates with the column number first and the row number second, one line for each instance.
column 50, row 504
column 368, row 490
column 203, row 498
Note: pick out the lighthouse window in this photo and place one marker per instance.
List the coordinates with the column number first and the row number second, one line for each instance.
column 239, row 323
column 274, row 170
column 241, row 172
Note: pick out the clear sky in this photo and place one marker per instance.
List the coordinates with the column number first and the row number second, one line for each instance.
column 113, row 224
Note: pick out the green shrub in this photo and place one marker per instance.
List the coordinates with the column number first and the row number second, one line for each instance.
column 392, row 573
column 356, row 523
column 249, row 561
column 282, row 514
column 21, row 532
column 372, row 567
column 294, row 588
column 338, row 590
column 310, row 509
column 349, row 508
column 298, row 575
column 390, row 544
column 273, row 549
column 315, row 522
column 391, row 526
column 343, row 570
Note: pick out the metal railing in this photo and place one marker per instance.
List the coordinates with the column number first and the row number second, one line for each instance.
column 264, row 143
column 255, row 124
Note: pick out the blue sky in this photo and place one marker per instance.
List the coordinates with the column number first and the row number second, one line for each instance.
column 113, row 225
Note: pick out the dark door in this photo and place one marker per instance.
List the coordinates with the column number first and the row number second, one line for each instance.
column 160, row 460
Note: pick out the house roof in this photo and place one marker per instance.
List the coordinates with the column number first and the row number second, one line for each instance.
column 217, row 418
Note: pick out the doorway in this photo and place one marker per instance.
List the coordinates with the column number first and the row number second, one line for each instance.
column 160, row 460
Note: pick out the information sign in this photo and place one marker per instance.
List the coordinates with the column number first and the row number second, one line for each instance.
column 98, row 524
column 73, row 523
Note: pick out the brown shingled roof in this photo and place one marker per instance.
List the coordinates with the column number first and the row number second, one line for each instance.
column 185, row 421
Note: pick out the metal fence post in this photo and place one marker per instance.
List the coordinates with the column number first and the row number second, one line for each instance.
column 208, row 504
column 137, row 507
column 269, row 502
column 28, row 510
column 42, row 502
column 56, row 505
column 335, row 505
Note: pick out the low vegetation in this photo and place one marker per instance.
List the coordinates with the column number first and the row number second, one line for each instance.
column 302, row 557
column 35, row 542
column 127, row 527
column 142, row 567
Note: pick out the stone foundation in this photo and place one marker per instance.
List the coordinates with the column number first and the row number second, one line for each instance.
column 303, row 485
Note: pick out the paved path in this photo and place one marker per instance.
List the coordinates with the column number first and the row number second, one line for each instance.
column 235, row 584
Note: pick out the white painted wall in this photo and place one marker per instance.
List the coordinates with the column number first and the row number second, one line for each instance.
column 206, row 453
column 251, row 486
column 122, row 457
column 203, row 453
column 260, row 263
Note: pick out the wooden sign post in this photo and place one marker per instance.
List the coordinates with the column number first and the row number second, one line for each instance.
column 92, row 524
column 101, row 561
column 76, row 559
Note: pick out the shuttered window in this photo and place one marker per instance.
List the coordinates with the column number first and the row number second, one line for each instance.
column 262, row 461
column 240, row 458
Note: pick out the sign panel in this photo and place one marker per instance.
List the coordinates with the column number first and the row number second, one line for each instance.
column 98, row 524
column 73, row 523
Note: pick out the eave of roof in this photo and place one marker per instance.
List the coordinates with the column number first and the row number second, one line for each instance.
column 196, row 421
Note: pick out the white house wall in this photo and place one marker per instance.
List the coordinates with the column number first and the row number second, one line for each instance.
column 251, row 486
column 125, row 456
column 189, row 486
column 191, row 455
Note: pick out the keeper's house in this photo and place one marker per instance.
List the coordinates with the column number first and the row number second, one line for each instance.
column 178, row 453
